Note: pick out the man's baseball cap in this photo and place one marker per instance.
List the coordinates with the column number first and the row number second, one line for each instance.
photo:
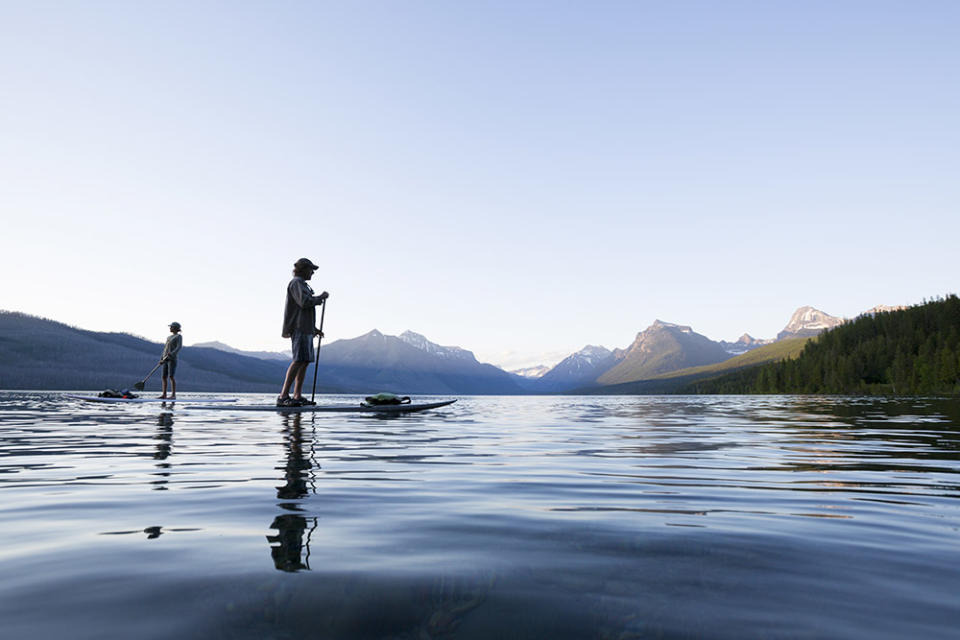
column 174, row 325
column 304, row 263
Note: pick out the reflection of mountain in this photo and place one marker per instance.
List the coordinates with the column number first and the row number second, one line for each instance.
column 287, row 548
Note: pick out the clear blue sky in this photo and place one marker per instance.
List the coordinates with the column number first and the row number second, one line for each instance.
column 516, row 178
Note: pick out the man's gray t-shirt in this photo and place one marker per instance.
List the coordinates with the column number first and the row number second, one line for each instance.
column 299, row 312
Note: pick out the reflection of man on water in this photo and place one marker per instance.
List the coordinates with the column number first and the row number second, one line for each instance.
column 297, row 468
column 287, row 547
column 164, row 446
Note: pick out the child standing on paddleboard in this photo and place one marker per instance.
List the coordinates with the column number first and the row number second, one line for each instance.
column 299, row 324
column 171, row 351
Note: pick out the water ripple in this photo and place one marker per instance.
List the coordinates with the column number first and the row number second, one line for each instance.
column 525, row 517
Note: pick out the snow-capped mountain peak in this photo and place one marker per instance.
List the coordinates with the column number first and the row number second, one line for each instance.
column 807, row 321
column 420, row 342
column 883, row 308
column 660, row 324
column 590, row 355
column 532, row 373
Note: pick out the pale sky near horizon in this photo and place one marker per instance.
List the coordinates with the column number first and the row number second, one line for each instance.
column 515, row 178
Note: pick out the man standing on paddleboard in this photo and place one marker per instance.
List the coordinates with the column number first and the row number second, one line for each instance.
column 299, row 324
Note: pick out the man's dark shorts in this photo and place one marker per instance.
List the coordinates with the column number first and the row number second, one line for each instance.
column 302, row 346
column 170, row 368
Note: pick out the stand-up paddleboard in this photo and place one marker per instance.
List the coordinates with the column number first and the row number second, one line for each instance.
column 143, row 400
column 331, row 408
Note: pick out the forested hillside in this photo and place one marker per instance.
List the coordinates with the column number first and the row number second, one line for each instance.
column 914, row 351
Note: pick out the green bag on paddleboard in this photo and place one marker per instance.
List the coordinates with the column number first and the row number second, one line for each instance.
column 387, row 398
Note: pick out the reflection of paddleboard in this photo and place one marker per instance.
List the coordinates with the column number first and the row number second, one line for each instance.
column 142, row 400
column 338, row 408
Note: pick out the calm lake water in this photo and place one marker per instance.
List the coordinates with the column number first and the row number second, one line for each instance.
column 503, row 517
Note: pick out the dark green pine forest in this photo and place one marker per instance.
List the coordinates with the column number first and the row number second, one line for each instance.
column 914, row 351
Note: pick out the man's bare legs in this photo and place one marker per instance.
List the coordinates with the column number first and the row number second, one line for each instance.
column 296, row 373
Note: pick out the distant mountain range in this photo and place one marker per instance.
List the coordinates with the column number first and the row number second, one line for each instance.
column 411, row 364
column 664, row 348
column 263, row 355
column 744, row 343
column 38, row 353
